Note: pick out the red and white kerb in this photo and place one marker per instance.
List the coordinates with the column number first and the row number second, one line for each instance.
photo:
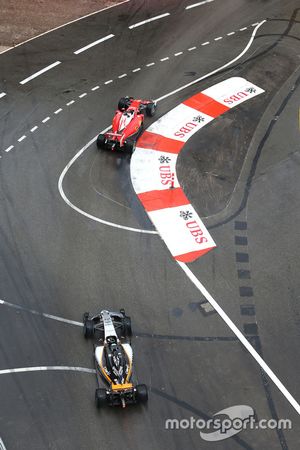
column 153, row 166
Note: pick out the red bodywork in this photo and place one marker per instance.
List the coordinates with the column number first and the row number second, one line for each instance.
column 126, row 123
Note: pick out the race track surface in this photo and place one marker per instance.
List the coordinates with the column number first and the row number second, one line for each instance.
column 58, row 257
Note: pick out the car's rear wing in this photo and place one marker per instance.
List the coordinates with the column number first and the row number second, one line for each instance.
column 114, row 134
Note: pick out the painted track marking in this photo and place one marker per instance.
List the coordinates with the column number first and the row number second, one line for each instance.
column 47, row 368
column 153, row 166
column 92, row 44
column 41, row 314
column 143, row 22
column 136, row 70
column 84, row 213
column 34, row 128
column 194, row 5
column 2, row 94
column 40, row 72
column 46, row 119
column 240, row 336
column 9, row 148
column 65, row 24
column 218, row 69
column 22, row 138
column 2, row 446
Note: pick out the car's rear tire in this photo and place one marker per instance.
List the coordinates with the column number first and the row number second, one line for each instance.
column 88, row 328
column 101, row 141
column 151, row 109
column 123, row 103
column 100, row 398
column 130, row 146
column 141, row 393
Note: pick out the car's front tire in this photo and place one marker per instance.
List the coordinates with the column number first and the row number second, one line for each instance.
column 151, row 109
column 123, row 103
column 85, row 316
column 100, row 398
column 101, row 141
column 127, row 327
column 88, row 328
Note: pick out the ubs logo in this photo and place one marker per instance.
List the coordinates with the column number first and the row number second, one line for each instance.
column 193, row 227
column 189, row 126
column 239, row 95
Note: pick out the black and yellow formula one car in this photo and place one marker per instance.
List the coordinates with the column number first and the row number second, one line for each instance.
column 113, row 359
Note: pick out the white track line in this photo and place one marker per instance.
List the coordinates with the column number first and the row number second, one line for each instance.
column 65, row 24
column 218, row 38
column 218, row 69
column 61, row 319
column 123, row 75
column 36, row 74
column 108, row 82
column 150, row 64
column 240, row 336
column 70, row 103
column 41, row 314
column 205, row 43
column 2, row 94
column 82, row 95
column 92, row 44
column 46, row 368
column 191, row 49
column 194, row 5
column 80, row 211
column 178, row 53
column 2, row 446
column 46, row 119
column 138, row 24
column 58, row 111
column 22, row 138
column 9, row 148
column 136, row 70
column 231, row 33
column 95, row 88
column 34, row 128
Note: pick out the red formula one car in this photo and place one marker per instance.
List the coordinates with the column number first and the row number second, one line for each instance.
column 127, row 124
